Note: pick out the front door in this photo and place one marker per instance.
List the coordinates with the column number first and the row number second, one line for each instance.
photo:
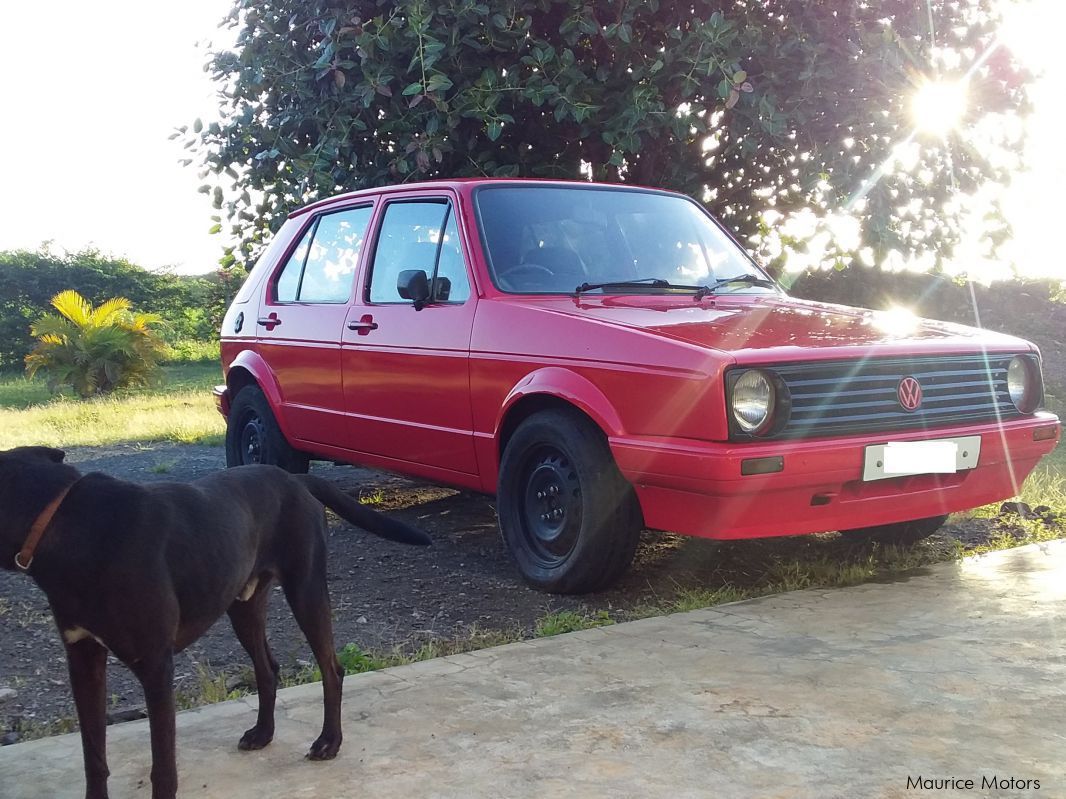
column 406, row 371
column 301, row 318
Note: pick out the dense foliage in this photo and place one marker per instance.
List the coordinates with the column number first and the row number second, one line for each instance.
column 783, row 104
column 192, row 307
column 95, row 350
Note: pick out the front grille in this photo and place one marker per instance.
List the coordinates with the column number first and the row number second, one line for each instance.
column 833, row 398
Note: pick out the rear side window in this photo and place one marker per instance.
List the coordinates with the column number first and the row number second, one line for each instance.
column 322, row 267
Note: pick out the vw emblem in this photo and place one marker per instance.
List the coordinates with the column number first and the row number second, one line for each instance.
column 910, row 394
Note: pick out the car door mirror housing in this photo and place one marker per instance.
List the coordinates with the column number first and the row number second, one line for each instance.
column 413, row 284
column 442, row 289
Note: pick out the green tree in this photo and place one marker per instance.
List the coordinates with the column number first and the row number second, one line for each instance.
column 95, row 350
column 783, row 104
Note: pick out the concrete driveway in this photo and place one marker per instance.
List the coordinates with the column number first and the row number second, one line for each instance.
column 875, row 691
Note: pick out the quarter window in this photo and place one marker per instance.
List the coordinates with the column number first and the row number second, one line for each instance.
column 288, row 282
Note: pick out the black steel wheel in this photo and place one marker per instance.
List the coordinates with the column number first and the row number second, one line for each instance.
column 253, row 435
column 567, row 516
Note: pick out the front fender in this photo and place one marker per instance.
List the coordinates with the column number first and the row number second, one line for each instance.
column 555, row 381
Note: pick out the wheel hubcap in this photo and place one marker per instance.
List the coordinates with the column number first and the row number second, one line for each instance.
column 551, row 511
column 252, row 436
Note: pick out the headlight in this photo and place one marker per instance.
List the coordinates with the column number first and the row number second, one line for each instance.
column 753, row 401
column 1021, row 385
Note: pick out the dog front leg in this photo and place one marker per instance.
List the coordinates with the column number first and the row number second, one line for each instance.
column 87, row 663
column 157, row 679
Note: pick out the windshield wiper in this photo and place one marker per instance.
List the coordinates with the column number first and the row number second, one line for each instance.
column 751, row 280
column 656, row 282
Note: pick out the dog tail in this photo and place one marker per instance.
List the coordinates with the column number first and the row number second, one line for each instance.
column 360, row 515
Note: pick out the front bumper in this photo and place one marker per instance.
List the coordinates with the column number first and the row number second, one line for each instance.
column 697, row 488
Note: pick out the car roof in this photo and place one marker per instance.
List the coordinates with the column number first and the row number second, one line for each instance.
column 457, row 184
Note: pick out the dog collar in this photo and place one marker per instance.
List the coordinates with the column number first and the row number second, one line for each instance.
column 25, row 556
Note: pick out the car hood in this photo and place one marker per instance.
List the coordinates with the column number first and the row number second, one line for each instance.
column 771, row 327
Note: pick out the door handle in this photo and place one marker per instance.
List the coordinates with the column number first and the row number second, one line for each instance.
column 269, row 322
column 364, row 325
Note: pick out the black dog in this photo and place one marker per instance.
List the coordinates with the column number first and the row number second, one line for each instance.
column 145, row 570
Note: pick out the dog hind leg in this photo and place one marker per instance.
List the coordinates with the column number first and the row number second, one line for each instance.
column 87, row 662
column 249, row 622
column 308, row 596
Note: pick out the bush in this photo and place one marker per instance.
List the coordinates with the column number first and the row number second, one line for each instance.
column 95, row 350
column 185, row 350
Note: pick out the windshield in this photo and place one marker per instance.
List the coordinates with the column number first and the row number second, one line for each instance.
column 552, row 239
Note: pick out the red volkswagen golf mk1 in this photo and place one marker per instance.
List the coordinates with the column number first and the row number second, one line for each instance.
column 604, row 359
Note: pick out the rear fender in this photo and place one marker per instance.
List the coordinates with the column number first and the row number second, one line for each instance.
column 250, row 363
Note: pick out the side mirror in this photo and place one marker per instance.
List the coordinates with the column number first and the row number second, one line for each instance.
column 413, row 284
column 442, row 289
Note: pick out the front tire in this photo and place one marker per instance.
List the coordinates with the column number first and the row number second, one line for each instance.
column 567, row 515
column 901, row 534
column 253, row 435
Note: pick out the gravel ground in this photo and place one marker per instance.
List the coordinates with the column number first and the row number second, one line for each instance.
column 384, row 594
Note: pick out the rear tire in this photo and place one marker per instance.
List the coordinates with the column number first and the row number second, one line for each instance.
column 567, row 515
column 901, row 534
column 253, row 435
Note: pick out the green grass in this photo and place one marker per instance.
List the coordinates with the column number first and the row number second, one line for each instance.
column 210, row 687
column 180, row 409
column 1047, row 484
column 19, row 392
column 372, row 498
column 568, row 621
column 357, row 660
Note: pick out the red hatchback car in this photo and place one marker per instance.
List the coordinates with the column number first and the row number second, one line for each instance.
column 604, row 359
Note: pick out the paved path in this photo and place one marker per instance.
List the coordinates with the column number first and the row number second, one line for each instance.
column 958, row 672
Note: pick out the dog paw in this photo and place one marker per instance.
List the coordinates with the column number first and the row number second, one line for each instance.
column 325, row 748
column 255, row 738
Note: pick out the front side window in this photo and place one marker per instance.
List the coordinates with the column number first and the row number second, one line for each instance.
column 552, row 239
column 419, row 235
column 451, row 284
column 322, row 267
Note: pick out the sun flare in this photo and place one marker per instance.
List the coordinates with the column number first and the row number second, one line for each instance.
column 938, row 107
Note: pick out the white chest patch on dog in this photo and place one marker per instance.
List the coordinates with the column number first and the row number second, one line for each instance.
column 249, row 589
column 75, row 634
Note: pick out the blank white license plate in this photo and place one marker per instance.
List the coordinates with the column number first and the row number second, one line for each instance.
column 906, row 458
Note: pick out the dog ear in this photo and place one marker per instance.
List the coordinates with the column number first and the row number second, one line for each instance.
column 47, row 453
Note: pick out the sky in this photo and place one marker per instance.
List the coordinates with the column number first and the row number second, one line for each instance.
column 89, row 93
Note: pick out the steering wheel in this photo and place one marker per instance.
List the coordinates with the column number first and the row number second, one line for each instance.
column 518, row 277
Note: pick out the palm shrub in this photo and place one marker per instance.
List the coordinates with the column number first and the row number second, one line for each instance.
column 95, row 350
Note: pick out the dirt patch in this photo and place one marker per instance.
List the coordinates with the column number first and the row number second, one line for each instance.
column 384, row 595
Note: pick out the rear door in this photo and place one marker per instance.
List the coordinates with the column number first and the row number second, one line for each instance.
column 301, row 317
column 406, row 371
